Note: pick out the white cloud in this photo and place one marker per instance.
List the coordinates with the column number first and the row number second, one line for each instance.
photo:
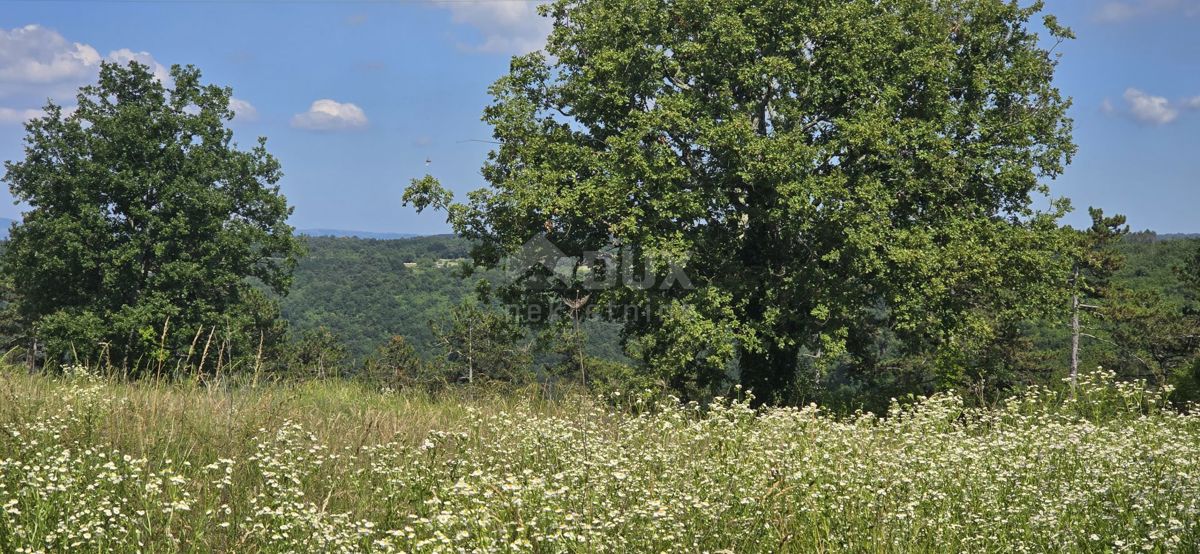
column 330, row 115
column 243, row 110
column 1118, row 11
column 503, row 26
column 34, row 54
column 37, row 63
column 10, row 115
column 1154, row 110
column 125, row 55
column 1149, row 109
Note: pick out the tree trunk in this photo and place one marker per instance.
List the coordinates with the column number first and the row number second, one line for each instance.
column 579, row 348
column 32, row 357
column 769, row 374
column 470, row 351
column 1074, row 340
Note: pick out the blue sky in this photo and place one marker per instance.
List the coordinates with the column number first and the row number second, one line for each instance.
column 354, row 97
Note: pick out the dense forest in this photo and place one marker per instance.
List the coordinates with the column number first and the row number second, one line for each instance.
column 353, row 296
column 366, row 291
column 1152, row 265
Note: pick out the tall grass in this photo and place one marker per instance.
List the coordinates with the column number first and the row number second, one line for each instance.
column 93, row 465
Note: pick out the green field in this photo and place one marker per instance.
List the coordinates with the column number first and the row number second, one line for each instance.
column 90, row 465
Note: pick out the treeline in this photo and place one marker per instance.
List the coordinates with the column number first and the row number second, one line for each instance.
column 366, row 291
column 365, row 298
column 407, row 312
column 155, row 247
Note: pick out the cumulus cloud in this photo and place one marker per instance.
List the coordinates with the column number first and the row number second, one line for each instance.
column 243, row 110
column 37, row 63
column 34, row 59
column 34, row 54
column 1149, row 109
column 125, row 55
column 1154, row 110
column 1118, row 11
column 511, row 27
column 330, row 115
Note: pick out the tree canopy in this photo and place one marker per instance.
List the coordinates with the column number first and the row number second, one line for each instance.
column 834, row 178
column 148, row 228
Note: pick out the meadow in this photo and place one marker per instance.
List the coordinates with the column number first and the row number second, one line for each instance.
column 93, row 465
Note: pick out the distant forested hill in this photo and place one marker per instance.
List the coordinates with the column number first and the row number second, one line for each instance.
column 357, row 234
column 1151, row 260
column 367, row 290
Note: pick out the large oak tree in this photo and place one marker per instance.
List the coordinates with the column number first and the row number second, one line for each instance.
column 841, row 180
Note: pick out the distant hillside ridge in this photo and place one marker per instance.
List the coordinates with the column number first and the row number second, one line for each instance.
column 344, row 233
column 6, row 223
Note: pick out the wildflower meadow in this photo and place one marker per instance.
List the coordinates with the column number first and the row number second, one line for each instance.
column 88, row 465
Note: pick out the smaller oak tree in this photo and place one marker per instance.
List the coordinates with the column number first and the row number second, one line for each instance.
column 147, row 227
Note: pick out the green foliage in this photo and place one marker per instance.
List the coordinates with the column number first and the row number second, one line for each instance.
column 807, row 166
column 367, row 291
column 1098, row 256
column 397, row 365
column 145, row 218
column 356, row 288
column 12, row 333
column 1189, row 273
column 1096, row 260
column 1153, row 337
column 481, row 344
column 316, row 353
column 620, row 382
column 1144, row 314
